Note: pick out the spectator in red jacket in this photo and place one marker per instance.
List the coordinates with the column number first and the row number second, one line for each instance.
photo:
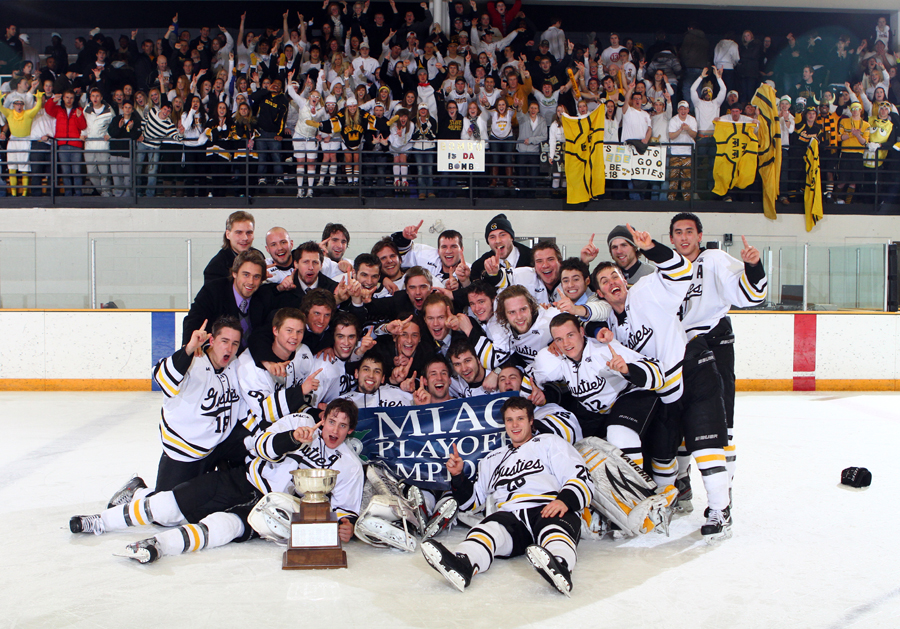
column 503, row 17
column 70, row 122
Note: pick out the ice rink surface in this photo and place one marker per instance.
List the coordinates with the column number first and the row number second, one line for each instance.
column 806, row 552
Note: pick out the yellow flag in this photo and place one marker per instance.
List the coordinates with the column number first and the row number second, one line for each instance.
column 736, row 152
column 812, row 193
column 585, row 175
column 769, row 147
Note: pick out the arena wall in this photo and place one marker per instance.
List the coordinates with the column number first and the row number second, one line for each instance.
column 114, row 350
column 52, row 222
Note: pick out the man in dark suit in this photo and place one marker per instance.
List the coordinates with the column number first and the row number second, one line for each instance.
column 236, row 296
column 308, row 275
column 238, row 237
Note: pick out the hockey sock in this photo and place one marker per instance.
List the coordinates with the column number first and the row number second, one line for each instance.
column 684, row 461
column 25, row 181
column 556, row 178
column 404, row 170
column 483, row 542
column 664, row 471
column 396, row 170
column 159, row 508
column 711, row 463
column 332, row 171
column 12, row 182
column 558, row 543
column 311, row 175
column 730, row 457
column 628, row 441
column 216, row 529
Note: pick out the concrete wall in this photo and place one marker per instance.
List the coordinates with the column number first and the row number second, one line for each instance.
column 115, row 350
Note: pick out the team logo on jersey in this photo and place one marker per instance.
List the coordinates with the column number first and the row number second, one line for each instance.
column 696, row 290
column 213, row 399
column 637, row 339
column 527, row 351
column 313, row 459
column 585, row 387
column 515, row 476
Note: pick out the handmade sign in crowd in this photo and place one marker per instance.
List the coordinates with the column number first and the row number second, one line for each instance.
column 622, row 162
column 415, row 441
column 460, row 156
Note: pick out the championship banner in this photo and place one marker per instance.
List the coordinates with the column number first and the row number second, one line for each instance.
column 620, row 162
column 737, row 149
column 584, row 157
column 812, row 192
column 416, row 441
column 460, row 156
column 770, row 154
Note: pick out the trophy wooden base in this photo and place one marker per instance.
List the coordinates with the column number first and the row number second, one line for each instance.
column 314, row 543
column 313, row 559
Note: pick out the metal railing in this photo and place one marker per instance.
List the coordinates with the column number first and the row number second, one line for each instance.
column 58, row 170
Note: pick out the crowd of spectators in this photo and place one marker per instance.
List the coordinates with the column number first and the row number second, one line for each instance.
column 343, row 95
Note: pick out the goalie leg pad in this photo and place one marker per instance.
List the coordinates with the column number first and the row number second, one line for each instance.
column 624, row 493
column 382, row 480
column 379, row 532
column 376, row 524
column 271, row 516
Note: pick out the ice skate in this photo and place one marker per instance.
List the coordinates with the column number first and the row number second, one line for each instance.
column 718, row 525
column 126, row 492
column 143, row 551
column 552, row 569
column 86, row 524
column 455, row 568
column 444, row 513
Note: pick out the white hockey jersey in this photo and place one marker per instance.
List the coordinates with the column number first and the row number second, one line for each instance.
column 525, row 345
column 386, row 395
column 554, row 419
column 598, row 309
column 534, row 474
column 263, row 393
column 270, row 470
column 650, row 325
column 460, row 388
column 201, row 405
column 720, row 281
column 590, row 381
column 276, row 274
column 525, row 276
column 426, row 257
column 333, row 379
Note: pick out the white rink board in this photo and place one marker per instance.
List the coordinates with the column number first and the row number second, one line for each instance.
column 805, row 552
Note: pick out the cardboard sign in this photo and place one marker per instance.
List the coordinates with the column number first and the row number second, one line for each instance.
column 621, row 162
column 460, row 156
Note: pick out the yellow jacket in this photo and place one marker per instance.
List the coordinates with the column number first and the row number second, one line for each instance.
column 20, row 123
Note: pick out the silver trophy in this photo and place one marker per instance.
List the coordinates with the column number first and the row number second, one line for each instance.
column 314, row 484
